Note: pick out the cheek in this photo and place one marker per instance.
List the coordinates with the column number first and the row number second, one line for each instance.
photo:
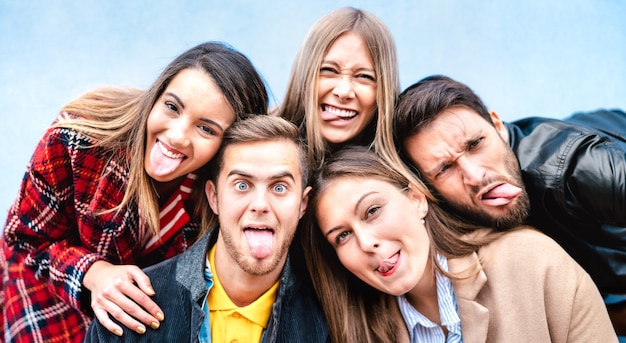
column 368, row 99
column 288, row 212
column 151, row 125
column 350, row 260
column 324, row 86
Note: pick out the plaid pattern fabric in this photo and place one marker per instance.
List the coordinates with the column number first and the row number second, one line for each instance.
column 53, row 235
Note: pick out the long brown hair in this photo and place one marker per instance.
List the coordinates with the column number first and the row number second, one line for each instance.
column 355, row 311
column 115, row 119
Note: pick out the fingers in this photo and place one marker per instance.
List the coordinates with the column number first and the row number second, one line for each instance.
column 142, row 298
column 123, row 293
column 126, row 304
column 103, row 318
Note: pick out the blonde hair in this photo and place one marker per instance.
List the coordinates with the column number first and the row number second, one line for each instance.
column 115, row 120
column 301, row 101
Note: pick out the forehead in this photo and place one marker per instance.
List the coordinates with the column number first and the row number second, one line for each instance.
column 447, row 134
column 349, row 44
column 350, row 189
column 262, row 159
column 451, row 124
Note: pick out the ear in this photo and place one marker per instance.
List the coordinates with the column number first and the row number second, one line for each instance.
column 417, row 195
column 305, row 200
column 211, row 194
column 499, row 124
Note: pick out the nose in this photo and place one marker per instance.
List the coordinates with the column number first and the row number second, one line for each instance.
column 343, row 88
column 473, row 172
column 368, row 240
column 259, row 201
column 178, row 133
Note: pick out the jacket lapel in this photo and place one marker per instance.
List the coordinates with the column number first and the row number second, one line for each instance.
column 474, row 316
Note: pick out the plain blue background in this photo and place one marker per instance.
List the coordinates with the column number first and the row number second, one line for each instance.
column 544, row 58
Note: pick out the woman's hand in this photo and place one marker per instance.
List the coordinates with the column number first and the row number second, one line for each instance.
column 122, row 292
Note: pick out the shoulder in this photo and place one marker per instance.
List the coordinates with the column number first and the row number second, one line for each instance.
column 527, row 245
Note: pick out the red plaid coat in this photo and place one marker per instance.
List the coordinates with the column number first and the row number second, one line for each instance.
column 53, row 235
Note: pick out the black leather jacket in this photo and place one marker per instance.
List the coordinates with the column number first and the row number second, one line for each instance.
column 575, row 174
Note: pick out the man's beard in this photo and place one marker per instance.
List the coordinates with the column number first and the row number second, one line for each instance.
column 512, row 218
column 515, row 216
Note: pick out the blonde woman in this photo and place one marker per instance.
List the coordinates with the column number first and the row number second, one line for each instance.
column 343, row 82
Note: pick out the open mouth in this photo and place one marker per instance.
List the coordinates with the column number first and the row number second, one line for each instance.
column 501, row 194
column 387, row 266
column 339, row 113
column 260, row 241
column 165, row 151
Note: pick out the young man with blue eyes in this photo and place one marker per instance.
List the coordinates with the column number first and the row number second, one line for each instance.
column 238, row 284
column 565, row 177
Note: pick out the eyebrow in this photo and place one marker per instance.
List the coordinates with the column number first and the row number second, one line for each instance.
column 177, row 99
column 206, row 120
column 281, row 175
column 430, row 173
column 358, row 203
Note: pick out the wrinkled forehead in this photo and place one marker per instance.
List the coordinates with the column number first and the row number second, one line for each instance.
column 262, row 160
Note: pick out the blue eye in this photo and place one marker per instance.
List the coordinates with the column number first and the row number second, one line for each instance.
column 280, row 188
column 242, row 186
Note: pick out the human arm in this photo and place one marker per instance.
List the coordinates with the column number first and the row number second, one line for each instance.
column 54, row 228
column 595, row 182
column 589, row 318
column 577, row 165
column 123, row 293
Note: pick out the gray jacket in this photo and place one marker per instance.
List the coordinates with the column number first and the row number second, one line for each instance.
column 180, row 289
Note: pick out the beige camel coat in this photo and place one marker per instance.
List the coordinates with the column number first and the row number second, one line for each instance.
column 529, row 290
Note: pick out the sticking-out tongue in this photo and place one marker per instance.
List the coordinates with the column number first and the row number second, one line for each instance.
column 501, row 195
column 161, row 164
column 388, row 264
column 260, row 242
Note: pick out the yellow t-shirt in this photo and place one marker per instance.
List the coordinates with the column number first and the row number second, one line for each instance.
column 230, row 323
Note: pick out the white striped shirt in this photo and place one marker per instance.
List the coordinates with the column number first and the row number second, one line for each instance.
column 421, row 329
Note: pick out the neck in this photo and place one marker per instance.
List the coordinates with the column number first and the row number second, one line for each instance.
column 242, row 287
column 424, row 295
column 165, row 189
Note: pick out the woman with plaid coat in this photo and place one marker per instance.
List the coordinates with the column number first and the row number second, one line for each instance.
column 111, row 189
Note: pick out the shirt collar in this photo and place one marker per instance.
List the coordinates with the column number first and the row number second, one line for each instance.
column 258, row 311
column 448, row 309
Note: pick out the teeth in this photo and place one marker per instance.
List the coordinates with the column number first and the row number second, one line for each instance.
column 169, row 153
column 340, row 113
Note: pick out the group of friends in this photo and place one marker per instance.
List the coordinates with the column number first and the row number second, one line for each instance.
column 351, row 212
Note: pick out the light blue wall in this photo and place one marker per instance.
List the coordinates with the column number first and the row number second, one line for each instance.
column 546, row 58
